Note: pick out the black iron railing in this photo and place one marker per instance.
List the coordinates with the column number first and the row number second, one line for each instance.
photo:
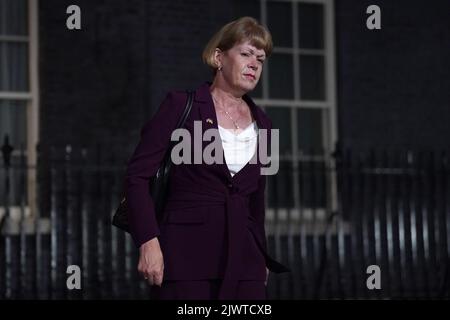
column 392, row 211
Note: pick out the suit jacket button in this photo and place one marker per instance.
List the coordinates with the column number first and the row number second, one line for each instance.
column 230, row 185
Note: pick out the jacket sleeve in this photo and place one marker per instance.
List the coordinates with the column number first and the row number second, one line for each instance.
column 144, row 163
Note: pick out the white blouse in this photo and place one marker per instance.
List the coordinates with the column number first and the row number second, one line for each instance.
column 239, row 148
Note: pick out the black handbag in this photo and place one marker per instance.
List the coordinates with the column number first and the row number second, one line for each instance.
column 158, row 183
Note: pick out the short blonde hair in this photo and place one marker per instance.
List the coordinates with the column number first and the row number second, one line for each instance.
column 235, row 32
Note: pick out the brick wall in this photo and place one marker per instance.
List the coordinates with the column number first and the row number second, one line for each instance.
column 393, row 83
column 103, row 82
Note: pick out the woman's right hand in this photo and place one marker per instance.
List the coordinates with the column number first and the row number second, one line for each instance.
column 151, row 262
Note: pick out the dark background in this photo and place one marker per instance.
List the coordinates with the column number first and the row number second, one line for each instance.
column 377, row 194
column 108, row 78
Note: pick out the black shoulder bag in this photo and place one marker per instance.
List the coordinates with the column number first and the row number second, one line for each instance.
column 158, row 183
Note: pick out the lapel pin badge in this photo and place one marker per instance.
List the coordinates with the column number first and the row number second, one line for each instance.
column 209, row 120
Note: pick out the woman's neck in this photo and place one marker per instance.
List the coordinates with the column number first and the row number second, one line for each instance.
column 224, row 95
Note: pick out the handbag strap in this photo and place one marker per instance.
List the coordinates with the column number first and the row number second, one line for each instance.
column 181, row 121
column 187, row 109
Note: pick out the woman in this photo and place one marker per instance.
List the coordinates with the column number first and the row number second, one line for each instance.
column 212, row 244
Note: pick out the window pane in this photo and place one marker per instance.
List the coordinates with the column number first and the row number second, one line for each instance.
column 13, row 17
column 281, row 76
column 13, row 122
column 312, row 177
column 280, row 187
column 309, row 133
column 13, row 66
column 249, row 8
column 312, row 78
column 310, row 26
column 281, row 120
column 279, row 22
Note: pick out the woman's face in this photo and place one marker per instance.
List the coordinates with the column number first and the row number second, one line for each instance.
column 241, row 66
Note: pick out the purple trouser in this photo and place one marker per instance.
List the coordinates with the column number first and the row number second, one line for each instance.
column 206, row 290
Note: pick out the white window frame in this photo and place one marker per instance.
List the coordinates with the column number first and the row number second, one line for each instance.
column 329, row 105
column 32, row 108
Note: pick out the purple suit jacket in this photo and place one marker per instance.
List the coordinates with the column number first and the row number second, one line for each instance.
column 215, row 222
